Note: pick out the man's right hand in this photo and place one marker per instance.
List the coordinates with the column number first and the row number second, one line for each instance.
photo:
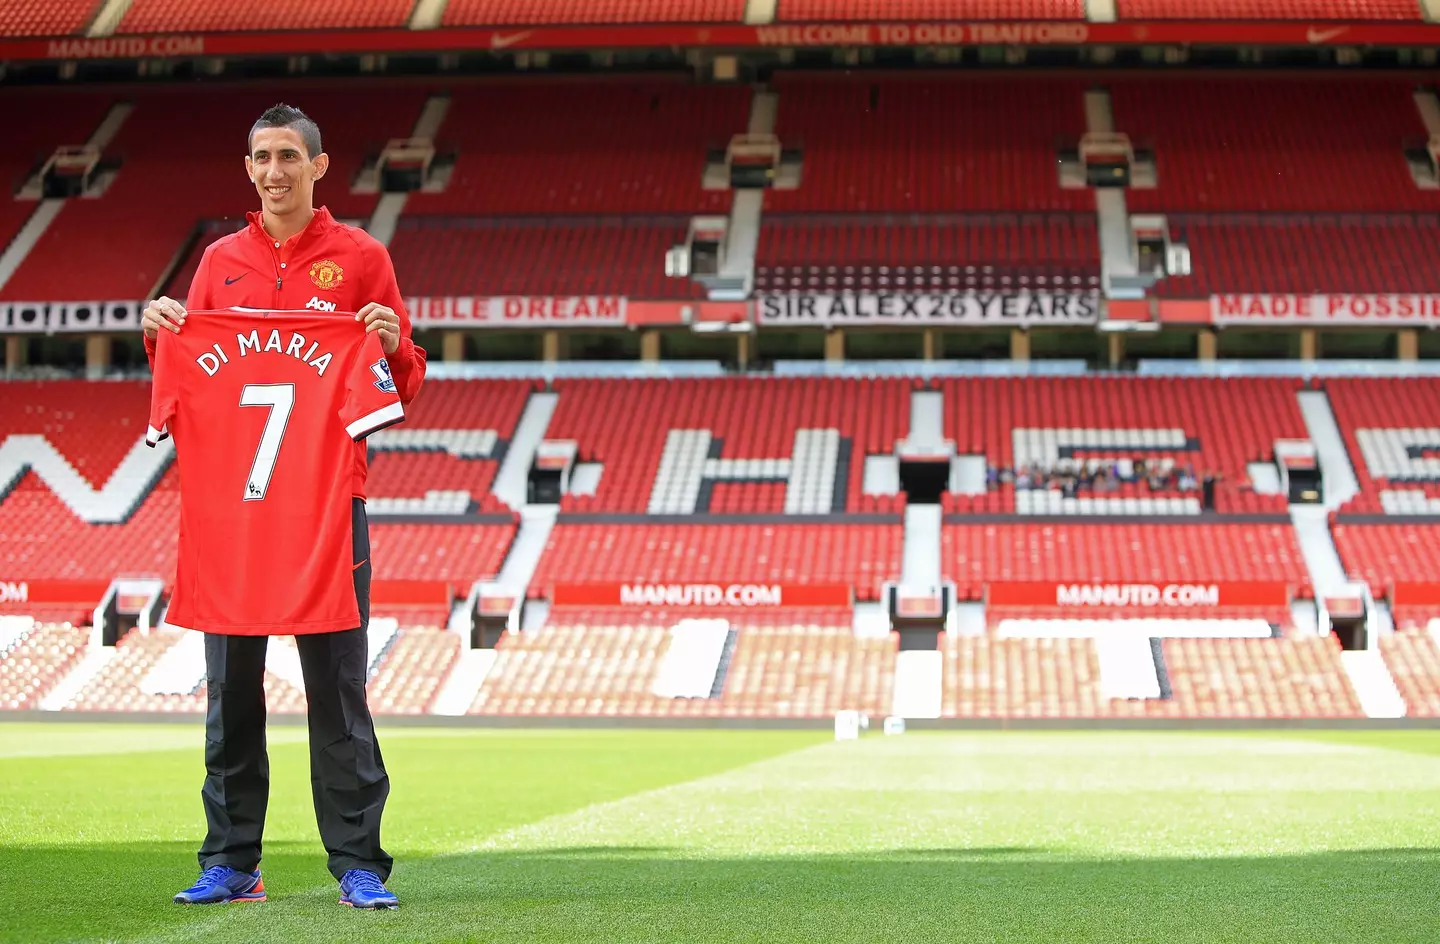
column 162, row 313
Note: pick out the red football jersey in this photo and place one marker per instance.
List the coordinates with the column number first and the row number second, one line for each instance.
column 265, row 409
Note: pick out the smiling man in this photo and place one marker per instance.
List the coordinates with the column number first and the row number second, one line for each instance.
column 294, row 256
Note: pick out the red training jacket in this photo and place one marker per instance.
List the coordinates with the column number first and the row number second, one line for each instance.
column 327, row 266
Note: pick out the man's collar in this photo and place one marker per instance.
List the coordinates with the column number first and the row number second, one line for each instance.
column 320, row 220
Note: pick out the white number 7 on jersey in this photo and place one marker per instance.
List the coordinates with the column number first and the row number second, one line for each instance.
column 281, row 400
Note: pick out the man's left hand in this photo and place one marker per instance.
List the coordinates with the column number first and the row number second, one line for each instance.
column 376, row 317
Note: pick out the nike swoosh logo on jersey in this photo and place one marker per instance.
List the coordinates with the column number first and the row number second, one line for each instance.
column 230, row 281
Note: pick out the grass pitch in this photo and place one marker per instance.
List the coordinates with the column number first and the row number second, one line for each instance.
column 507, row 836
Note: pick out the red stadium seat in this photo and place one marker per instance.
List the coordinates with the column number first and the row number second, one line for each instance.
column 547, row 257
column 1303, row 254
column 1299, row 144
column 927, row 145
column 1414, row 661
column 124, row 248
column 529, row 12
column 37, row 121
column 1221, row 420
column 206, row 16
column 975, row 554
column 1268, row 9
column 756, row 419
column 803, row 11
column 829, row 253
column 862, row 555
column 46, row 17
column 605, row 146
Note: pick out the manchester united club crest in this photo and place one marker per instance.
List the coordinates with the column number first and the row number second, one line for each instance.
column 326, row 274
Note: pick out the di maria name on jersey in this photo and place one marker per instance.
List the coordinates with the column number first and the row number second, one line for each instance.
column 265, row 408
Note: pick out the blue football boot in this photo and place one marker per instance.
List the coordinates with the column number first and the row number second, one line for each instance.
column 362, row 889
column 220, row 884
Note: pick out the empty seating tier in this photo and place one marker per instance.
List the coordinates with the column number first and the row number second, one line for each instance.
column 32, row 666
column 125, row 249
column 528, row 12
column 1303, row 254
column 1214, row 426
column 1007, row 253
column 1413, row 657
column 1268, row 9
column 975, row 554
column 549, row 256
column 605, row 662
column 37, row 121
column 750, row 418
column 621, row 146
column 457, row 553
column 1396, row 451
column 861, row 555
column 46, row 17
column 1300, row 144
column 438, row 446
column 1382, row 554
column 207, row 16
column 802, row 11
column 927, row 145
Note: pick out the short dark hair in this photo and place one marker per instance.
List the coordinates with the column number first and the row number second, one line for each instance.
column 287, row 116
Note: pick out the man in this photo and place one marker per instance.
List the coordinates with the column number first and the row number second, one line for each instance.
column 294, row 256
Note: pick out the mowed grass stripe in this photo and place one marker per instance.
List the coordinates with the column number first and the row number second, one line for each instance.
column 1086, row 837
column 100, row 843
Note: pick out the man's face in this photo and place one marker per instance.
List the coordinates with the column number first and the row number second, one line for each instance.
column 283, row 173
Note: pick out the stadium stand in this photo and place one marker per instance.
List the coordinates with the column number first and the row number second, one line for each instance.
column 121, row 685
column 840, row 252
column 528, row 12
column 752, row 418
column 1395, row 411
column 1302, row 254
column 1268, row 9
column 876, row 144
column 1413, row 657
column 32, row 665
column 45, row 17
column 862, row 555
column 605, row 662
column 457, row 553
column 806, row 11
column 434, row 449
column 43, row 537
column 210, row 16
column 409, row 677
column 1257, row 678
column 1022, row 678
column 539, row 256
column 1382, row 554
column 1209, row 678
column 1215, row 427
column 606, row 146
column 1323, row 146
column 125, row 250
column 974, row 554
column 37, row 121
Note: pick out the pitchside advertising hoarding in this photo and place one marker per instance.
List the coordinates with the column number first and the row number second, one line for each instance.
column 1179, row 596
